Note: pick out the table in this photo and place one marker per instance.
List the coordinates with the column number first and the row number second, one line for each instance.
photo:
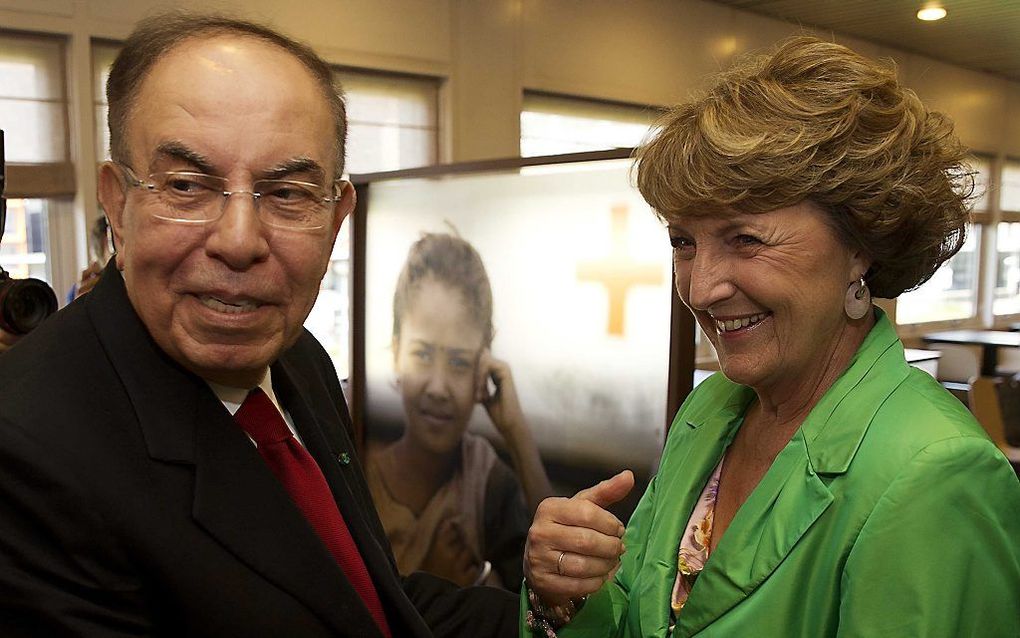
column 989, row 340
column 927, row 360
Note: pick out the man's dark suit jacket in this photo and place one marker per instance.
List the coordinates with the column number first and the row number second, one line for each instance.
column 132, row 505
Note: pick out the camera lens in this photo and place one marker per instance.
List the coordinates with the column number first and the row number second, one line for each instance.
column 24, row 303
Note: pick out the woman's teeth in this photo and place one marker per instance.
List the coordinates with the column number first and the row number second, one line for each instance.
column 229, row 308
column 736, row 324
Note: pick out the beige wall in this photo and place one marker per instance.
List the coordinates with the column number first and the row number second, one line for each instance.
column 488, row 51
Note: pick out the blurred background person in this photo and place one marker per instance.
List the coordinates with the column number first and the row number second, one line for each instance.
column 450, row 506
column 100, row 249
column 819, row 486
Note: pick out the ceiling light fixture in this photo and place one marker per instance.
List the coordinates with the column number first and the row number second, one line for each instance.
column 931, row 13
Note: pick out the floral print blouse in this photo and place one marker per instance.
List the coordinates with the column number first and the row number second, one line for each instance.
column 694, row 545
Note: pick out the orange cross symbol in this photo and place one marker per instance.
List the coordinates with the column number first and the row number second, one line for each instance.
column 618, row 272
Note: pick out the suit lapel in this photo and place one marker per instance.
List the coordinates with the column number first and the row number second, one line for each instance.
column 322, row 429
column 236, row 498
column 241, row 503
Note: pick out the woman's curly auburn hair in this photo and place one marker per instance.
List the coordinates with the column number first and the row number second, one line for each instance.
column 816, row 121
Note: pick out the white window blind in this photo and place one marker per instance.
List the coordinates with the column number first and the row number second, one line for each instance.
column 551, row 125
column 393, row 121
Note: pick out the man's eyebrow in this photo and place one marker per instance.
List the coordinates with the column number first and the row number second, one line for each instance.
column 305, row 165
column 175, row 149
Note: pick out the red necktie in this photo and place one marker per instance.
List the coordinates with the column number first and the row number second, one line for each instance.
column 301, row 476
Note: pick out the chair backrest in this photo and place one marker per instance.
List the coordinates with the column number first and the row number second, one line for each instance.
column 1009, row 404
column 984, row 403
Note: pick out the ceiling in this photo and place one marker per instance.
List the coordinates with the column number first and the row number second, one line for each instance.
column 977, row 34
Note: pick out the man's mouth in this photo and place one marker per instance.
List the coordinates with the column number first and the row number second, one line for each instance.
column 235, row 307
column 729, row 325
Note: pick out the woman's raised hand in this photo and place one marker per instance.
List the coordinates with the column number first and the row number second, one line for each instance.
column 574, row 544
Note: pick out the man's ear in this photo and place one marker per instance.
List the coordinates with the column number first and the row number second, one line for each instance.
column 113, row 197
column 344, row 206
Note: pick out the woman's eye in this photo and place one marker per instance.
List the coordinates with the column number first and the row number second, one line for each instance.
column 460, row 363
column 747, row 240
column 683, row 247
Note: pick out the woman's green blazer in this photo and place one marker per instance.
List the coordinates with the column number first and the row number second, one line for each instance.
column 890, row 513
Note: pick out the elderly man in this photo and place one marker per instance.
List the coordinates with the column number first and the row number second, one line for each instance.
column 176, row 456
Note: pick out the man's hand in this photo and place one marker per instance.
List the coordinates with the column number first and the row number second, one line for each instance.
column 450, row 557
column 574, row 545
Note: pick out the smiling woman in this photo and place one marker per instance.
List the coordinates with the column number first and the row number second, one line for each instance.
column 811, row 488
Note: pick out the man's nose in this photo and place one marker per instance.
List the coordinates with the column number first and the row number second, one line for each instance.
column 238, row 237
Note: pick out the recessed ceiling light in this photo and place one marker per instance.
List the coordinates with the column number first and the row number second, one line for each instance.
column 931, row 13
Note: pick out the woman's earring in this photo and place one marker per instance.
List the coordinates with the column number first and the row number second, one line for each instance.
column 858, row 299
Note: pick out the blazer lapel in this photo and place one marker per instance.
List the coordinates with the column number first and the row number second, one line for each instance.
column 323, row 432
column 241, row 503
column 236, row 498
column 696, row 443
column 785, row 504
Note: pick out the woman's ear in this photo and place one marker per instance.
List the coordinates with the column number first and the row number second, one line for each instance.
column 860, row 264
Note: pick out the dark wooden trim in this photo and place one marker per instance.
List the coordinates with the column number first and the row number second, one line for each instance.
column 357, row 303
column 40, row 180
column 484, row 166
column 681, row 356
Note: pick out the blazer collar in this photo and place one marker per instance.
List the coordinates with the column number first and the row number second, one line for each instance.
column 791, row 496
column 162, row 393
column 834, row 429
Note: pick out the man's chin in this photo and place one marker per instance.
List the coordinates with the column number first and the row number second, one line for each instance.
column 234, row 365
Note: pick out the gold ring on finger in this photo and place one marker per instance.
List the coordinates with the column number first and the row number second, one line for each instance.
column 559, row 564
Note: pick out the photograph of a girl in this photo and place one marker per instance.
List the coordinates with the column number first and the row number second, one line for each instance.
column 449, row 504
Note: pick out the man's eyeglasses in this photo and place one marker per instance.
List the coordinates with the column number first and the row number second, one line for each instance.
column 198, row 198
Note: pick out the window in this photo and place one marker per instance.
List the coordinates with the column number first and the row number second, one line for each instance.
column 951, row 293
column 33, row 99
column 551, row 125
column 393, row 121
column 1007, row 277
column 103, row 55
column 392, row 124
column 26, row 239
column 1006, row 299
column 33, row 115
